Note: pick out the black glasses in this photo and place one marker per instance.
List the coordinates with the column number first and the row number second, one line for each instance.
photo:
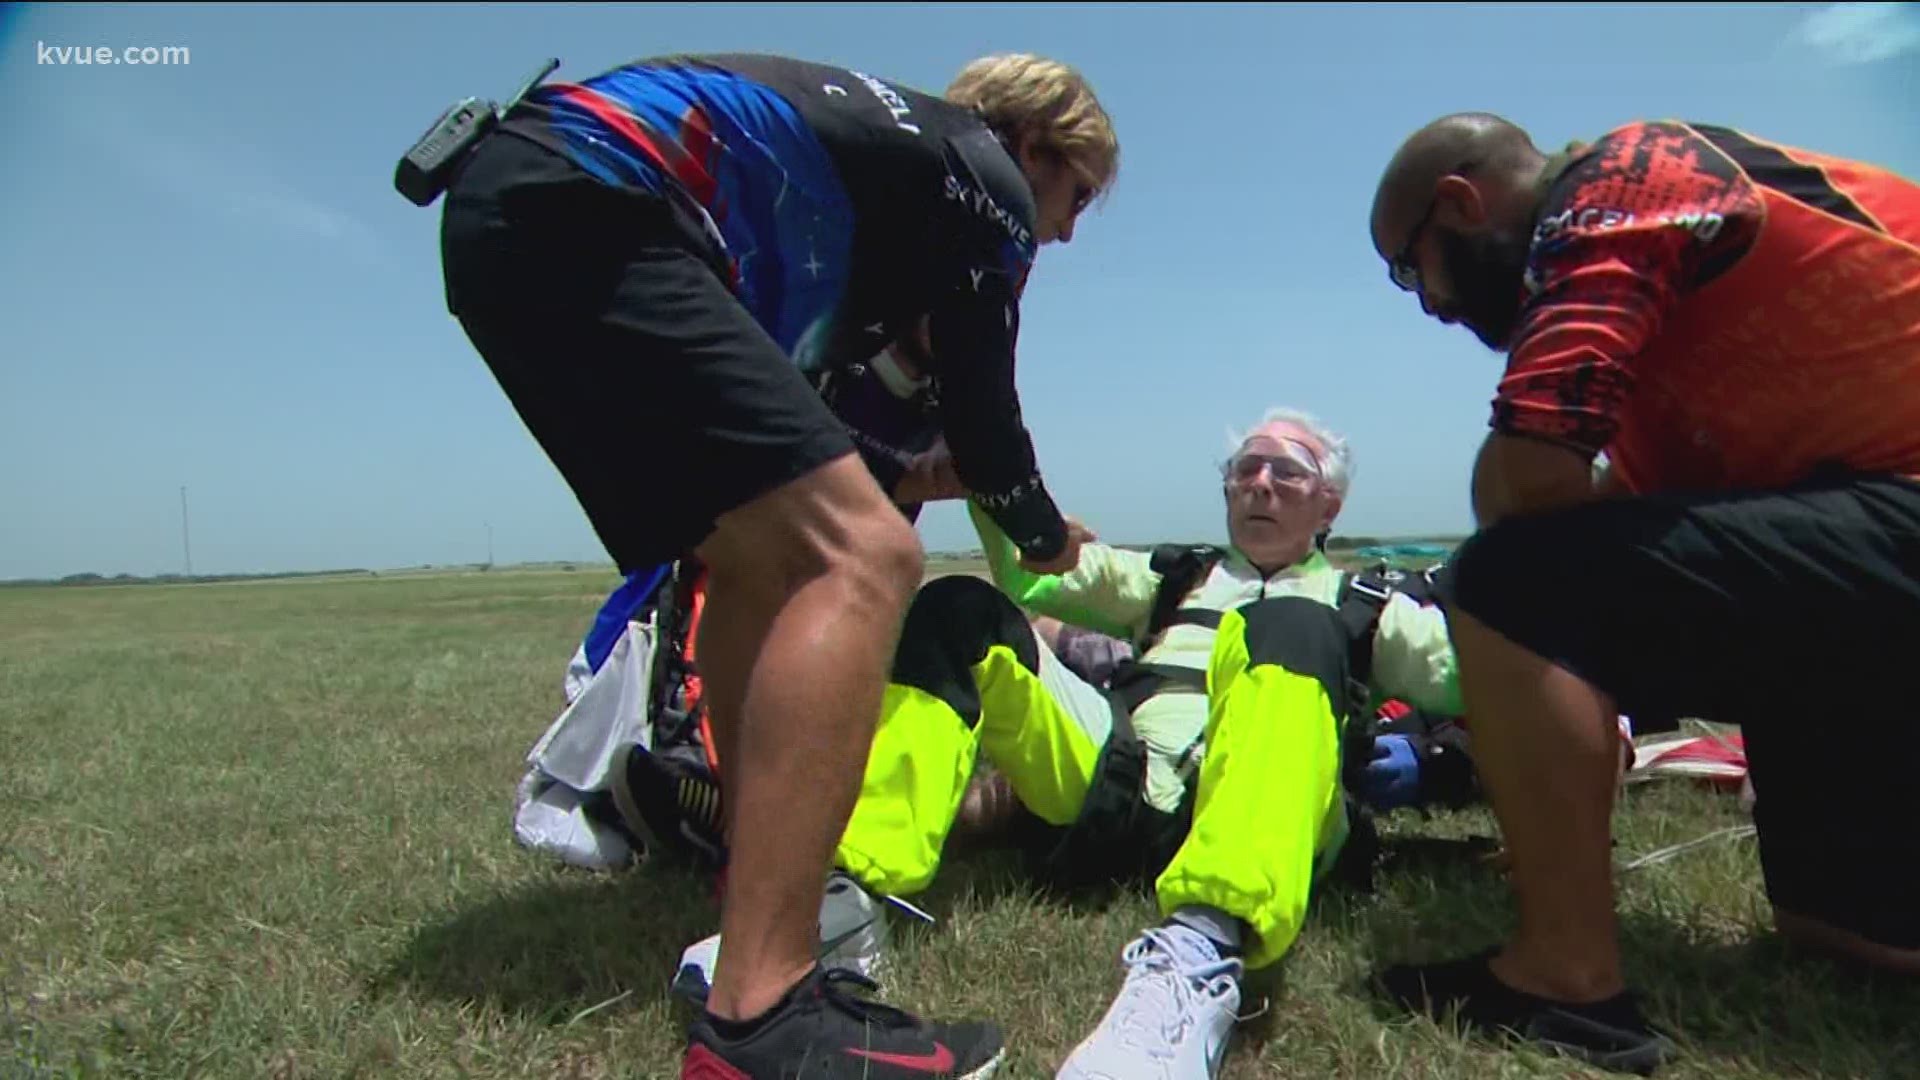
column 1401, row 268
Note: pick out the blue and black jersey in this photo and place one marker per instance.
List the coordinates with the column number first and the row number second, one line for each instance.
column 846, row 209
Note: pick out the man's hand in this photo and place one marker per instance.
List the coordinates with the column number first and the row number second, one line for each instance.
column 931, row 478
column 1069, row 557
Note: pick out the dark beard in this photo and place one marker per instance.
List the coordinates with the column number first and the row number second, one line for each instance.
column 1485, row 270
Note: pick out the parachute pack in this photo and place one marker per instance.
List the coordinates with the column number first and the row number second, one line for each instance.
column 628, row 770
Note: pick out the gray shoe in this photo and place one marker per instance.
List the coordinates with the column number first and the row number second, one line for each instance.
column 853, row 927
column 853, row 936
column 1172, row 1016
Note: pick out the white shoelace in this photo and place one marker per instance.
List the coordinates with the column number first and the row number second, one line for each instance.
column 1165, row 985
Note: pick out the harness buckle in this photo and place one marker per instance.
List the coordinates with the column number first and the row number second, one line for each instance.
column 1358, row 583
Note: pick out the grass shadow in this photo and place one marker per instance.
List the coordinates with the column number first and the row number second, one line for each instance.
column 566, row 942
column 1735, row 1002
column 552, row 949
column 1466, row 858
column 1413, row 877
column 1764, row 1003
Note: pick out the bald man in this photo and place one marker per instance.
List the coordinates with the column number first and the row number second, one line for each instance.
column 1736, row 324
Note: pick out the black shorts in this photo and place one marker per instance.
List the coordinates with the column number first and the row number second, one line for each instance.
column 604, row 315
column 1795, row 614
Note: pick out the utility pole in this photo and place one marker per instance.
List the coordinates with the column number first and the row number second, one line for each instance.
column 186, row 539
column 489, row 544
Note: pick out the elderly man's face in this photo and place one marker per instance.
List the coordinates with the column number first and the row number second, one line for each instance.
column 1278, row 497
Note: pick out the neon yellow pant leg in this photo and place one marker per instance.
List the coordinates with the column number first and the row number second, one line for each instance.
column 916, row 775
column 1267, row 796
column 1034, row 726
column 1043, row 730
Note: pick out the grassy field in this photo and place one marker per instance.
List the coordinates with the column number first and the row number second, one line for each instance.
column 262, row 830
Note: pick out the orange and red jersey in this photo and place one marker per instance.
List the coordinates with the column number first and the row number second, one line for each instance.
column 1716, row 311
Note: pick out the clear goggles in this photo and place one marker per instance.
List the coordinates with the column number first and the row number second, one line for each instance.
column 1290, row 462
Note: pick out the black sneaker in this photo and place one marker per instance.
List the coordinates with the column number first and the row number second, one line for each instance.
column 821, row 1032
column 1610, row 1034
column 673, row 801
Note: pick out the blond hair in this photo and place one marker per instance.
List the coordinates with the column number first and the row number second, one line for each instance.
column 1021, row 95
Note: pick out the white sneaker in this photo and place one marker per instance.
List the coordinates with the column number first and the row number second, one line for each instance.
column 853, row 936
column 1172, row 1016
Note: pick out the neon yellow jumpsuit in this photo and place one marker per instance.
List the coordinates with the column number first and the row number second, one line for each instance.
column 1268, row 817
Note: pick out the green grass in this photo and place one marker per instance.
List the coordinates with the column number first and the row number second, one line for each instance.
column 262, row 830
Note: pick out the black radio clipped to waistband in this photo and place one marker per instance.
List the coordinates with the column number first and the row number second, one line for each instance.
column 426, row 168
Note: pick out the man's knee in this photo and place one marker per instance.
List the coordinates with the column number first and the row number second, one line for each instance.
column 960, row 618
column 1584, row 590
column 951, row 625
column 1542, row 561
column 888, row 553
column 1485, row 565
column 1303, row 636
column 831, row 522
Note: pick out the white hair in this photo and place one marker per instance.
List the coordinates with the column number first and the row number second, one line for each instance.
column 1338, row 459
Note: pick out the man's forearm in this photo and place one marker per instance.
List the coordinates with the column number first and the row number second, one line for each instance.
column 1518, row 475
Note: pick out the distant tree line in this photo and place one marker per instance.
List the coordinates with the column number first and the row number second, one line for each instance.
column 90, row 579
column 95, row 580
column 1334, row 543
column 1348, row 543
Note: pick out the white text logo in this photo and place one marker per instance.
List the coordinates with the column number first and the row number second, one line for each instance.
column 106, row 55
column 891, row 98
column 982, row 204
column 1704, row 225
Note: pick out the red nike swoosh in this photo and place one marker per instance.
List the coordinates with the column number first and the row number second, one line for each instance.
column 941, row 1060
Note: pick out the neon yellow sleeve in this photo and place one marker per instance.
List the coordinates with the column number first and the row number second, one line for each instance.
column 1110, row 592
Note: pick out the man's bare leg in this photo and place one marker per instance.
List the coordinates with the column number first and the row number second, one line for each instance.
column 1546, row 745
column 806, row 590
column 1821, row 936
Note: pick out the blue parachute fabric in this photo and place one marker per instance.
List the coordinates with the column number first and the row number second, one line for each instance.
column 619, row 609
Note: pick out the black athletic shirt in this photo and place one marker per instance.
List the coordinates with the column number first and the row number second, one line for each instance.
column 848, row 209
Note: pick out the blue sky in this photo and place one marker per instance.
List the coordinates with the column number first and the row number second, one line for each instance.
column 209, row 281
